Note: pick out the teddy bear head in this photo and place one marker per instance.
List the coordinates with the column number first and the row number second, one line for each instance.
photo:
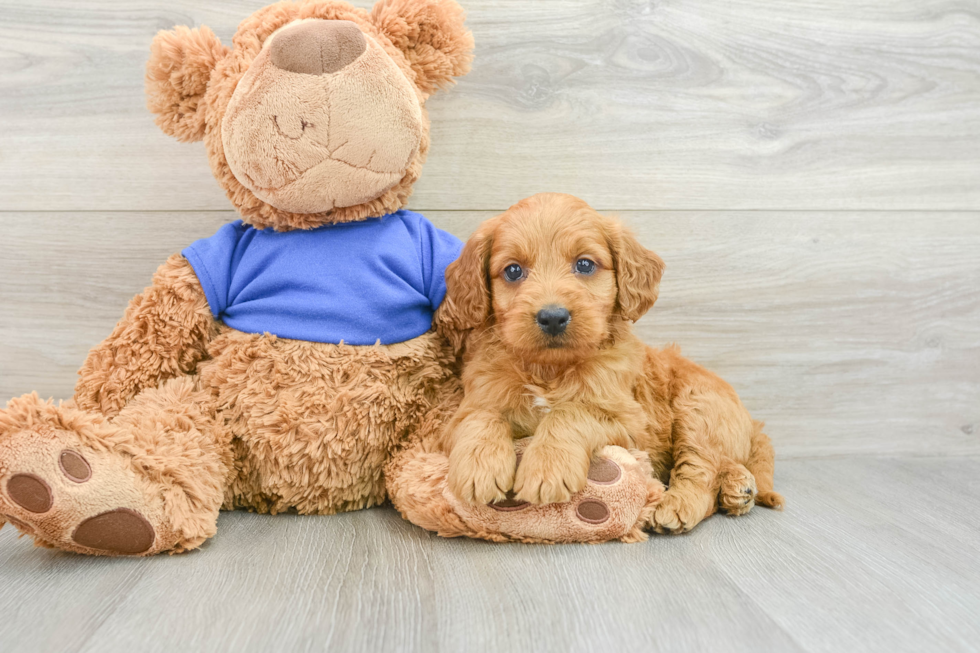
column 316, row 114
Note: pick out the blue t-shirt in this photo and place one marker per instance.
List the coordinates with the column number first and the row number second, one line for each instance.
column 358, row 282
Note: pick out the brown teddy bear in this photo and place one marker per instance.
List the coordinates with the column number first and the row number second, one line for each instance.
column 278, row 365
column 287, row 363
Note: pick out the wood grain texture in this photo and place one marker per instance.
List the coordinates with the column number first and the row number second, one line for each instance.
column 846, row 333
column 631, row 104
column 854, row 333
column 872, row 554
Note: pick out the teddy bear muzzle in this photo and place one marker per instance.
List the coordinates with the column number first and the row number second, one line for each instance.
column 324, row 118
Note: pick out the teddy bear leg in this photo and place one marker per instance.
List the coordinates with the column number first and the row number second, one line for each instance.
column 416, row 484
column 150, row 480
column 617, row 502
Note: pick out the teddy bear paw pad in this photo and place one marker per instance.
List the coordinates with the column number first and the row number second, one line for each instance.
column 592, row 511
column 604, row 471
column 30, row 492
column 74, row 466
column 121, row 531
column 509, row 504
column 71, row 496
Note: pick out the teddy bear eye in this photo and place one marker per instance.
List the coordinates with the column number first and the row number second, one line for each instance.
column 585, row 266
column 513, row 272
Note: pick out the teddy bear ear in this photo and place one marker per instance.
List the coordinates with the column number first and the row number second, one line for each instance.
column 177, row 75
column 432, row 35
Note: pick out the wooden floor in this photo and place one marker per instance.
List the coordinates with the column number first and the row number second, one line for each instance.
column 873, row 554
column 810, row 172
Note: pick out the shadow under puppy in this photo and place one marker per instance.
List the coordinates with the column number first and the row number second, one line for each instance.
column 544, row 297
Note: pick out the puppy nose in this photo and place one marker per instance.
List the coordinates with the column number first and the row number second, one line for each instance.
column 317, row 47
column 553, row 320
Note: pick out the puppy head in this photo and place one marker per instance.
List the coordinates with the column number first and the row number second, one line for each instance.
column 552, row 277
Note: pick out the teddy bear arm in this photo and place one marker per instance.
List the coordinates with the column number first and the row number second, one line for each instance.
column 164, row 333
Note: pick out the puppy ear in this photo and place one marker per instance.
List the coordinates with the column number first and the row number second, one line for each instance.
column 177, row 75
column 638, row 272
column 467, row 302
column 431, row 34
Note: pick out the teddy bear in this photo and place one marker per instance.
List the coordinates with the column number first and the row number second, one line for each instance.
column 280, row 364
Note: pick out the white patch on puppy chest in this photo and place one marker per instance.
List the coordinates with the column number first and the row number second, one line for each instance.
column 539, row 402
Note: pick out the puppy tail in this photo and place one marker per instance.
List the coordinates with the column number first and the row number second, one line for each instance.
column 762, row 464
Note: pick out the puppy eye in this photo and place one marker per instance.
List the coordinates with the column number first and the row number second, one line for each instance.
column 513, row 272
column 584, row 266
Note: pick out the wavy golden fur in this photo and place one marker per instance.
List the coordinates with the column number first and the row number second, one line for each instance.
column 593, row 383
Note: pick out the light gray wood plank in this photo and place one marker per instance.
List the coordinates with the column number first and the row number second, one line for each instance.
column 631, row 104
column 874, row 555
column 38, row 586
column 373, row 583
column 857, row 562
column 67, row 279
column 847, row 333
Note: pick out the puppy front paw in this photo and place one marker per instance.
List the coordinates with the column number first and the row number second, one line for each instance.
column 674, row 514
column 550, row 475
column 482, row 472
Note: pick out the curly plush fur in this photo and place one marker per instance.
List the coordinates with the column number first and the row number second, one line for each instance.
column 177, row 76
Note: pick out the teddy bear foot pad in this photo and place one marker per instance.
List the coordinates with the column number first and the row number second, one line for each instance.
column 69, row 496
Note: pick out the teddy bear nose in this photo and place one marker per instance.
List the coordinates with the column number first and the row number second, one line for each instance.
column 317, row 47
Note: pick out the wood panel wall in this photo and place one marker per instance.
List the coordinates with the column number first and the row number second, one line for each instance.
column 810, row 171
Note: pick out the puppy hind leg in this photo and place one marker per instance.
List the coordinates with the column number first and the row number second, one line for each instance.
column 736, row 488
column 761, row 464
column 691, row 497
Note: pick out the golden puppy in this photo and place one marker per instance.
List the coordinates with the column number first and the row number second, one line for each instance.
column 544, row 297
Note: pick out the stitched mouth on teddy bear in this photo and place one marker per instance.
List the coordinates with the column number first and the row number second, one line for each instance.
column 328, row 162
column 328, row 155
column 392, row 178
